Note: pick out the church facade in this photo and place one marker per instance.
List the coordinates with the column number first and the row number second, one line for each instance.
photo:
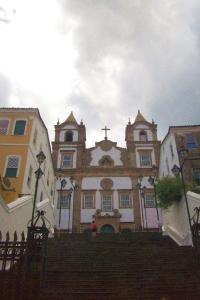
column 107, row 183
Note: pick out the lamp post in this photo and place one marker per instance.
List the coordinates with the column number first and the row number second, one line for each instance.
column 142, row 197
column 143, row 189
column 74, row 187
column 179, row 170
column 38, row 173
column 63, row 183
column 151, row 181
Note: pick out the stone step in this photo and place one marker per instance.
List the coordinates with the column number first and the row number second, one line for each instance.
column 120, row 267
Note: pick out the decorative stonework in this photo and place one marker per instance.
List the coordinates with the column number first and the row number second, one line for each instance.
column 106, row 161
column 106, row 184
column 83, row 158
column 107, row 219
column 125, row 158
column 5, row 184
column 106, row 145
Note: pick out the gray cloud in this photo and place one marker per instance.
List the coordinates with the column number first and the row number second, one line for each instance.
column 137, row 54
column 130, row 55
column 5, row 90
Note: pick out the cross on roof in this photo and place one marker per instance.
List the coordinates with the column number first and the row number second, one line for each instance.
column 105, row 129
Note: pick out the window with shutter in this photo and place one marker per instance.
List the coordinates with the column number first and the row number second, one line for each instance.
column 125, row 200
column 88, row 201
column 107, row 203
column 12, row 166
column 149, row 200
column 20, row 127
column 64, row 201
column 4, row 127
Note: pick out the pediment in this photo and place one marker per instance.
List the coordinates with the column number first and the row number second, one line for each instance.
column 106, row 145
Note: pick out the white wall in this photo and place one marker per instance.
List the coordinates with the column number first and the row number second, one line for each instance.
column 16, row 215
column 98, row 153
column 66, row 216
column 93, row 183
column 193, row 201
column 119, row 183
column 165, row 154
column 176, row 224
column 42, row 143
column 150, row 212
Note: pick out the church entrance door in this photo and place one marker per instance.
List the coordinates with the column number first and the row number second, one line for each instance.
column 107, row 229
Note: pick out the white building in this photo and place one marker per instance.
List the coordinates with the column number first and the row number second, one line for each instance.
column 176, row 218
column 107, row 176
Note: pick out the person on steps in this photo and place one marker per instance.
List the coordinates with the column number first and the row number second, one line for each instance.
column 94, row 229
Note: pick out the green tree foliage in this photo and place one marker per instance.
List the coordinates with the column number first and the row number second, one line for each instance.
column 169, row 190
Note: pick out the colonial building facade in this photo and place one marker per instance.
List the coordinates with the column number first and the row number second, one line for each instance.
column 23, row 135
column 178, row 138
column 112, row 183
column 180, row 156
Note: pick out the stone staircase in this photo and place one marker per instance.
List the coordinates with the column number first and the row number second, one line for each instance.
column 120, row 266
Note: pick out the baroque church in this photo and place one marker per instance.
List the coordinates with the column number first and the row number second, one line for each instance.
column 106, row 183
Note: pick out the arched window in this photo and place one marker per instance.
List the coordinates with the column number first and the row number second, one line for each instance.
column 143, row 136
column 69, row 136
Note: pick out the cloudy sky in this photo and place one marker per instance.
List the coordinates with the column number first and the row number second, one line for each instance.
column 103, row 60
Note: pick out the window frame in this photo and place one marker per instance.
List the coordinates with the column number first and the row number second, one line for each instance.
column 171, row 150
column 146, row 201
column 16, row 120
column 143, row 133
column 91, row 193
column 72, row 133
column 194, row 142
column 103, row 194
column 8, row 128
column 6, row 164
column 120, row 193
column 70, row 154
column 196, row 178
column 145, row 153
column 68, row 196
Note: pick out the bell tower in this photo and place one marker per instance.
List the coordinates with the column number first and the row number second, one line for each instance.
column 67, row 148
column 141, row 141
column 70, row 139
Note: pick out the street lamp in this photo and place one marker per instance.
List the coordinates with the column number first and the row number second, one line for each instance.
column 142, row 197
column 38, row 173
column 74, row 187
column 63, row 183
column 151, row 181
column 179, row 170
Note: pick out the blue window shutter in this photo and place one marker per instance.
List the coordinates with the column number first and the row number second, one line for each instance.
column 11, row 172
column 19, row 127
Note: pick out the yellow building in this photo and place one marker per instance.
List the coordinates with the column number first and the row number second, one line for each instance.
column 23, row 135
